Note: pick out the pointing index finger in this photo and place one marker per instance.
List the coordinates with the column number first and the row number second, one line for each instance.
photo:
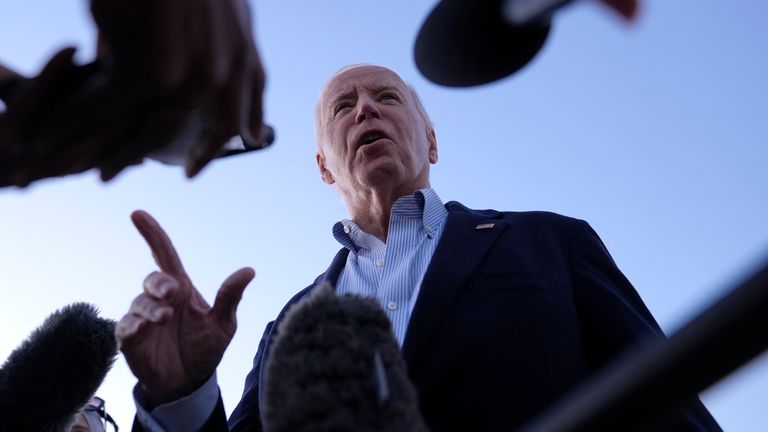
column 162, row 249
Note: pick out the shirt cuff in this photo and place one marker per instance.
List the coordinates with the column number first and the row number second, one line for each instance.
column 182, row 415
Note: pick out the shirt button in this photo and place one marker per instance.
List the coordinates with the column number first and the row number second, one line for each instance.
column 346, row 229
column 380, row 263
column 391, row 305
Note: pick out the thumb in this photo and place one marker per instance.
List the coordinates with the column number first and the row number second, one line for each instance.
column 229, row 295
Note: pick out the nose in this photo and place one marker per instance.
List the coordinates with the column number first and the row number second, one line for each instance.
column 366, row 109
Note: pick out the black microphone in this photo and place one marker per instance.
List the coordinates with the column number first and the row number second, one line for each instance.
column 335, row 366
column 49, row 377
column 471, row 42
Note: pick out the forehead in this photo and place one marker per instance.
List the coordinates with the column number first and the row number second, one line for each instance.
column 361, row 78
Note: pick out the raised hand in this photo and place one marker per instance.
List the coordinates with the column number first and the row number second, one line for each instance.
column 183, row 75
column 625, row 8
column 198, row 59
column 171, row 338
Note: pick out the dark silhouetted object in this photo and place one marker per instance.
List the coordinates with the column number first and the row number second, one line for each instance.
column 465, row 43
column 182, row 75
column 662, row 375
column 471, row 42
column 336, row 366
column 53, row 374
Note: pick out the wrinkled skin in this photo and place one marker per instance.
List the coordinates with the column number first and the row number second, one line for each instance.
column 191, row 75
column 172, row 339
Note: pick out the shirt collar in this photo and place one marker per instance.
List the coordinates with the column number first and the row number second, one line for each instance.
column 424, row 203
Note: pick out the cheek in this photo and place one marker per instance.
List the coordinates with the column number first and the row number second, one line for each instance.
column 338, row 142
column 419, row 149
column 332, row 146
column 337, row 158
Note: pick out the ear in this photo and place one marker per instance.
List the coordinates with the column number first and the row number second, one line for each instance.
column 325, row 173
column 432, row 140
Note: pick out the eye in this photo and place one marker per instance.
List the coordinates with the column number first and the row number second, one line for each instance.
column 388, row 96
column 341, row 107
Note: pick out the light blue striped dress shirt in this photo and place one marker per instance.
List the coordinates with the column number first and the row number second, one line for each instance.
column 392, row 272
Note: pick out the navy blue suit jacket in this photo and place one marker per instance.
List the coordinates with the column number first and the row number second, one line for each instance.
column 508, row 319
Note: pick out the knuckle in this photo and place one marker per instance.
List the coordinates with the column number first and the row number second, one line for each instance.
column 137, row 303
column 157, row 283
column 151, row 277
column 125, row 327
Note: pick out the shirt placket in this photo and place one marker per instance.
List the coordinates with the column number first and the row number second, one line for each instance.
column 394, row 295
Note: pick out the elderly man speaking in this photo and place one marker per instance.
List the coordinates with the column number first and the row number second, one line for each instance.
column 498, row 314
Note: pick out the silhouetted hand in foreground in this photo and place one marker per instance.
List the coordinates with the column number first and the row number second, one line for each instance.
column 169, row 73
column 626, row 8
column 172, row 340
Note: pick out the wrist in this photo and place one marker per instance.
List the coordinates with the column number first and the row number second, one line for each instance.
column 189, row 413
column 154, row 396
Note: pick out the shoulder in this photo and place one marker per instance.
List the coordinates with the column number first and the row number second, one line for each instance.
column 533, row 219
column 529, row 229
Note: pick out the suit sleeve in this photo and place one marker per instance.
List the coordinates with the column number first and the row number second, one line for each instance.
column 612, row 314
column 246, row 416
column 192, row 412
column 614, row 319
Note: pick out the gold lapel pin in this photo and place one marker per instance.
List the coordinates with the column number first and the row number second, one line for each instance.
column 484, row 226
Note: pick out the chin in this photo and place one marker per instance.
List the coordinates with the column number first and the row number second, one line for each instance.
column 378, row 170
column 382, row 176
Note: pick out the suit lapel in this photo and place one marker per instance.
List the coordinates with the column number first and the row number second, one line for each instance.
column 331, row 276
column 465, row 240
column 334, row 270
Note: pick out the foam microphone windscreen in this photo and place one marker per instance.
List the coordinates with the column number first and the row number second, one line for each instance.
column 53, row 373
column 335, row 366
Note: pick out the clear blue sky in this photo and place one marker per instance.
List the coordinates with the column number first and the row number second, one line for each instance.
column 655, row 133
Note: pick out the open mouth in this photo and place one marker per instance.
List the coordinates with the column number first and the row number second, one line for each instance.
column 371, row 137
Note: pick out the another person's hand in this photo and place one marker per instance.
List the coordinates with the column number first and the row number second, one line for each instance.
column 626, row 8
column 65, row 120
column 199, row 60
column 8, row 80
column 173, row 74
column 171, row 338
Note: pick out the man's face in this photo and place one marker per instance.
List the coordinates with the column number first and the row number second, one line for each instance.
column 372, row 134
